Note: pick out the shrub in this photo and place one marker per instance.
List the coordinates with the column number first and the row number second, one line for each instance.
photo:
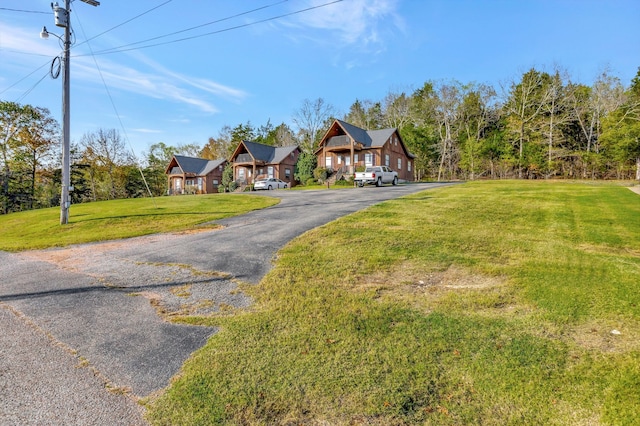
column 304, row 167
column 321, row 174
column 342, row 182
column 310, row 181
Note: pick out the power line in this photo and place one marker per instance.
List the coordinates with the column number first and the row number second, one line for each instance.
column 197, row 26
column 86, row 41
column 125, row 22
column 113, row 104
column 25, row 77
column 121, row 49
column 25, row 94
column 23, row 11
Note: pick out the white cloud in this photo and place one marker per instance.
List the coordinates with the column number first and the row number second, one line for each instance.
column 159, row 84
column 137, row 74
column 146, row 131
column 206, row 85
column 355, row 21
column 27, row 41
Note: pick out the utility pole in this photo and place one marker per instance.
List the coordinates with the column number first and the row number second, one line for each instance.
column 63, row 19
column 65, row 202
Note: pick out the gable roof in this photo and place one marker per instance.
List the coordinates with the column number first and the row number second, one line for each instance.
column 379, row 137
column 358, row 134
column 267, row 153
column 196, row 166
column 367, row 138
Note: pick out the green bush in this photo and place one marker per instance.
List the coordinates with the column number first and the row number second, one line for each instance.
column 343, row 182
column 310, row 182
column 304, row 167
column 321, row 174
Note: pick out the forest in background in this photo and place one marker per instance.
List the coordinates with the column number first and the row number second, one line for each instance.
column 540, row 126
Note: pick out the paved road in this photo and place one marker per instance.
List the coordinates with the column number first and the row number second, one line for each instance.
column 78, row 347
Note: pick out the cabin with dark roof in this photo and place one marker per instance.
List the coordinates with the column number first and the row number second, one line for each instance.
column 253, row 161
column 344, row 147
column 190, row 175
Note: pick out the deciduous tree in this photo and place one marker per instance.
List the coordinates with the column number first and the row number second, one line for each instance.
column 310, row 120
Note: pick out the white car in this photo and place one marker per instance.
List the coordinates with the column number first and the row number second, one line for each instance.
column 269, row 184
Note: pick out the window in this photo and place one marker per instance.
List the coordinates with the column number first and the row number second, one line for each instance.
column 327, row 162
column 215, row 182
column 386, row 160
column 368, row 159
column 270, row 171
column 399, row 163
column 287, row 173
column 355, row 158
column 409, row 165
column 241, row 172
column 199, row 184
column 178, row 184
column 339, row 159
column 347, row 160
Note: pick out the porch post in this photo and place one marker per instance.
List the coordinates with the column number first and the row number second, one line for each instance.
column 324, row 156
column 253, row 174
column 352, row 165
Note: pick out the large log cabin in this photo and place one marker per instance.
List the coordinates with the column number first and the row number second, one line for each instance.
column 344, row 147
column 190, row 175
column 253, row 161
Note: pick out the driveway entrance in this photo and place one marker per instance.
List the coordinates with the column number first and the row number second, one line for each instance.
column 93, row 316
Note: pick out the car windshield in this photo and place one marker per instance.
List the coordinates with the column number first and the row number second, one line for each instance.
column 370, row 169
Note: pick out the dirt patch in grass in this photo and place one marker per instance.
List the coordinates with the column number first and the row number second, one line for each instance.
column 455, row 287
column 607, row 336
column 412, row 279
column 609, row 251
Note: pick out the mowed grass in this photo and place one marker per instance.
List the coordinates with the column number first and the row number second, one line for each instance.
column 483, row 303
column 116, row 219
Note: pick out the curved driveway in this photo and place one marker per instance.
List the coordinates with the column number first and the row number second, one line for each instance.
column 71, row 325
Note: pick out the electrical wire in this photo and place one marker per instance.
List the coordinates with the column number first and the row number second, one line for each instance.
column 124, row 23
column 121, row 49
column 25, row 77
column 199, row 26
column 54, row 71
column 25, row 53
column 113, row 104
column 23, row 11
column 25, row 94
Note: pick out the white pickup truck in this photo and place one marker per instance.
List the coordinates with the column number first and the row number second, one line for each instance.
column 377, row 175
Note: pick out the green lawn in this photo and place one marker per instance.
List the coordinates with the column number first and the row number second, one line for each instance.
column 483, row 303
column 115, row 219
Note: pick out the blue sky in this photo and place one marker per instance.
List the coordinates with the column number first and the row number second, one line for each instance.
column 250, row 71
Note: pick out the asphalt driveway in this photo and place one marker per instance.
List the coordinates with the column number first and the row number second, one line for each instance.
column 85, row 330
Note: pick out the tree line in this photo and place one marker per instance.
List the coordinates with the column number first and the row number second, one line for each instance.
column 541, row 125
